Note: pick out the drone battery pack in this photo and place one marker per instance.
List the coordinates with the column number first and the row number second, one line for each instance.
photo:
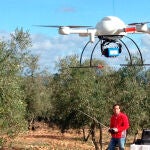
column 113, row 52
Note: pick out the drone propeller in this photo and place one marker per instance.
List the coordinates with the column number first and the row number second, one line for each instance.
column 56, row 26
column 138, row 23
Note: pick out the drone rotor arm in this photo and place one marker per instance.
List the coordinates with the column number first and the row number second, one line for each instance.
column 141, row 27
column 82, row 32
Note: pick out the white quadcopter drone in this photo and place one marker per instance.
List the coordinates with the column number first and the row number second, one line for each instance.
column 110, row 30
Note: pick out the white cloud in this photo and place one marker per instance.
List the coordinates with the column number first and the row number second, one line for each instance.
column 145, row 48
column 145, row 40
column 4, row 35
column 51, row 49
column 68, row 9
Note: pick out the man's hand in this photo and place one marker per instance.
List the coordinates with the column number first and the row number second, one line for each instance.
column 113, row 130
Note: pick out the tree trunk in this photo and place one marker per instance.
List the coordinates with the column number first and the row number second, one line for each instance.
column 100, row 136
column 93, row 127
column 31, row 125
column 85, row 138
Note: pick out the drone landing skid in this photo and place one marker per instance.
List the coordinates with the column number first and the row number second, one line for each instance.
column 134, row 65
column 93, row 66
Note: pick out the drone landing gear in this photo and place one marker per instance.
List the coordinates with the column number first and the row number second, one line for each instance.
column 111, row 46
column 141, row 57
column 99, row 66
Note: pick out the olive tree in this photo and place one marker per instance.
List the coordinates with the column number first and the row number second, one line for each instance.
column 12, row 105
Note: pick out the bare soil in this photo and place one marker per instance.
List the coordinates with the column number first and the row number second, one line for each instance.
column 46, row 138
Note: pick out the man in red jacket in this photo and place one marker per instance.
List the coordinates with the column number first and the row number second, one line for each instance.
column 119, row 123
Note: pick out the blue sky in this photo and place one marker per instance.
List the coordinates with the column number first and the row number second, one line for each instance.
column 47, row 43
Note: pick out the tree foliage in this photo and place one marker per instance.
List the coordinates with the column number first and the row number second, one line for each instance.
column 12, row 105
column 84, row 90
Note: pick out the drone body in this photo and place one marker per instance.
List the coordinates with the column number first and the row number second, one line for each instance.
column 110, row 30
column 109, row 25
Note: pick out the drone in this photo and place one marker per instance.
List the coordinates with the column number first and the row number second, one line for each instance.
column 109, row 31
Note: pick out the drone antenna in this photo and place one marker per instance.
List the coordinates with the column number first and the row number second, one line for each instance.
column 114, row 7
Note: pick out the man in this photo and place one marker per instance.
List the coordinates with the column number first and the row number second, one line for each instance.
column 118, row 125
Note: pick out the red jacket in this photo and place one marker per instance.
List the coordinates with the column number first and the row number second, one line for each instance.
column 120, row 122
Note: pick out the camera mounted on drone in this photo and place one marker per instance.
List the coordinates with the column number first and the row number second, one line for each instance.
column 110, row 48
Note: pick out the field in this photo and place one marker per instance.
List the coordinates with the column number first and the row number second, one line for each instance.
column 45, row 138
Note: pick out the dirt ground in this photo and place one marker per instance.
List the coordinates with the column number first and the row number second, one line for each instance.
column 45, row 138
